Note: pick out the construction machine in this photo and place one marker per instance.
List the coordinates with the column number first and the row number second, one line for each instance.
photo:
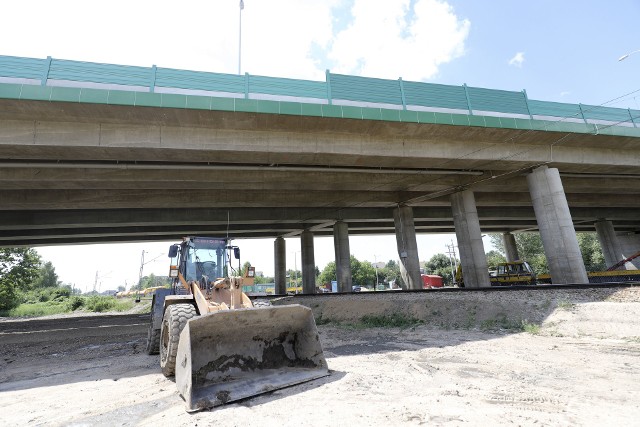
column 217, row 343
column 614, row 274
column 516, row 273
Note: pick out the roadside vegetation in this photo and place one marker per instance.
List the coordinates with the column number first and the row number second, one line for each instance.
column 95, row 303
column 364, row 274
column 30, row 287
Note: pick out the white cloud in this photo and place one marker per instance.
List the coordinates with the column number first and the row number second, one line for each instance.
column 391, row 40
column 517, row 60
column 282, row 38
column 277, row 35
column 280, row 35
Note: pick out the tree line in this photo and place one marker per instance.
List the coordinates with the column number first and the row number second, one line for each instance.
column 530, row 249
column 25, row 277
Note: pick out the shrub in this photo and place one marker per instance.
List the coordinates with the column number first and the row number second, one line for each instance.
column 99, row 304
column 75, row 303
column 531, row 328
column 8, row 298
column 60, row 294
column 43, row 296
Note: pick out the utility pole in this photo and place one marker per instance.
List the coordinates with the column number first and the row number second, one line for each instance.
column 240, row 39
column 141, row 269
column 451, row 251
column 140, row 277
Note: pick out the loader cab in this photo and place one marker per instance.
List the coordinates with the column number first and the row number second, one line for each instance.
column 196, row 257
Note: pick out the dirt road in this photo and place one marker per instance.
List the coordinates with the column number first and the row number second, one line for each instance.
column 575, row 370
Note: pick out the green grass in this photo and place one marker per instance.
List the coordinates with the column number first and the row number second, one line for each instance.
column 531, row 328
column 566, row 305
column 96, row 303
column 36, row 309
column 99, row 304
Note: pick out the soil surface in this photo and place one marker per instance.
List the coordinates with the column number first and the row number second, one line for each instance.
column 469, row 363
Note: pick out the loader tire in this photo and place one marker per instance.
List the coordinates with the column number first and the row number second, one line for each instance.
column 173, row 322
column 153, row 340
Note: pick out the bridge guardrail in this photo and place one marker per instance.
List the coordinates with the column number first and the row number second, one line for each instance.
column 337, row 89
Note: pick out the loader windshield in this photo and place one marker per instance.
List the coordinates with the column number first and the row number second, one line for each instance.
column 205, row 256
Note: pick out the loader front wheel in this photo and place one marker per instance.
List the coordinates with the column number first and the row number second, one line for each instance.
column 173, row 322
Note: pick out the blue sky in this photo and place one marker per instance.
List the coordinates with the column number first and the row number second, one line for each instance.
column 571, row 49
column 565, row 51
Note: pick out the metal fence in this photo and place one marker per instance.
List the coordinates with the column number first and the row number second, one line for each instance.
column 337, row 89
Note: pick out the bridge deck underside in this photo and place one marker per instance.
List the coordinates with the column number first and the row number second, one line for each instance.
column 89, row 173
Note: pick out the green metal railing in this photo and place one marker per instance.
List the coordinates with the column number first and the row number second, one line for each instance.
column 342, row 91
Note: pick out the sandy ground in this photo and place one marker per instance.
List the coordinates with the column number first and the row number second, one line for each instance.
column 579, row 368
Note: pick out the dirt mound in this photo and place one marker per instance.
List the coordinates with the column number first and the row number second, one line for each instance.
column 601, row 311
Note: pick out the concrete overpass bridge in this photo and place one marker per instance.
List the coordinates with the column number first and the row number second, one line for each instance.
column 105, row 153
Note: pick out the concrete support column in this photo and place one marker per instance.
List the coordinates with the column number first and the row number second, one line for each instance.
column 510, row 247
column 407, row 247
column 280, row 265
column 556, row 227
column 475, row 270
column 308, row 263
column 630, row 244
column 609, row 243
column 343, row 256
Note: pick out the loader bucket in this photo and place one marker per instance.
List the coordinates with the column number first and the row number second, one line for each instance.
column 233, row 354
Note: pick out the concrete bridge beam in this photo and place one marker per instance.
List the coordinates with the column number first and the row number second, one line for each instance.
column 280, row 265
column 407, row 247
column 308, row 263
column 343, row 256
column 556, row 226
column 472, row 256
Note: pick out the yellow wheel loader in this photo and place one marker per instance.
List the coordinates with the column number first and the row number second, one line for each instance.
column 219, row 345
